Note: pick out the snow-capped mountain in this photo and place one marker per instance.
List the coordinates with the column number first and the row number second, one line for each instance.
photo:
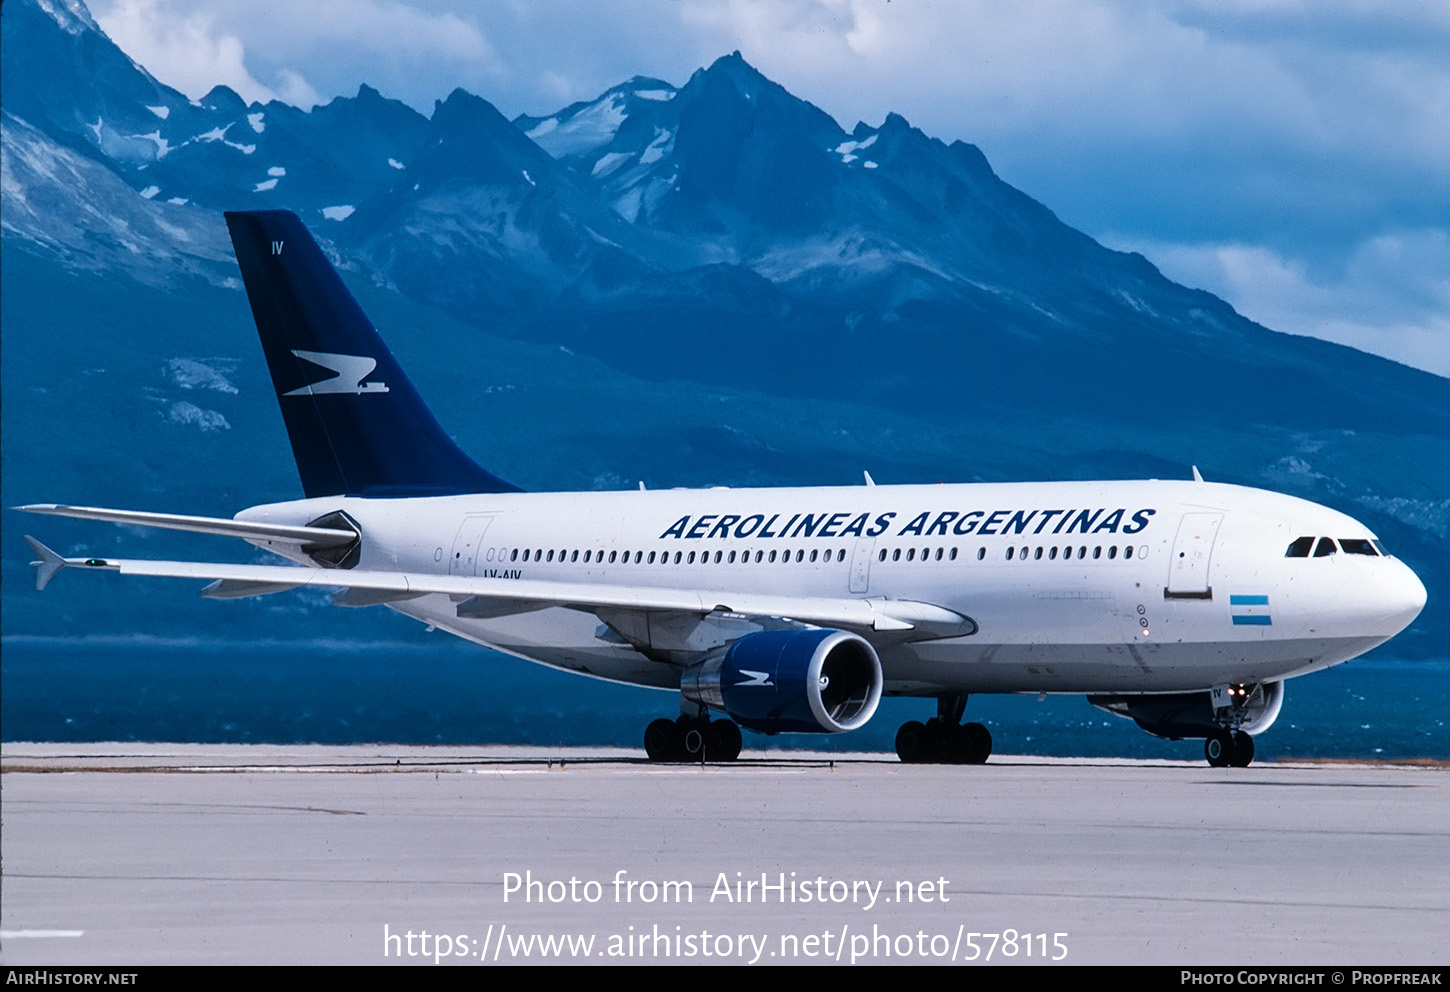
column 722, row 242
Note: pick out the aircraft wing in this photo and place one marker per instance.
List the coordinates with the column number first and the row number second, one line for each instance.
column 477, row 596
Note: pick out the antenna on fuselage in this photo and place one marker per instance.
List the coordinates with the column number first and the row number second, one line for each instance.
column 1196, row 476
column 869, row 481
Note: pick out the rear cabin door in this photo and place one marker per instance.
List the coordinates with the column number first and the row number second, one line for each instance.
column 468, row 543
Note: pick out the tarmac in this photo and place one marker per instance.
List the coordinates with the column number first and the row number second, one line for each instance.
column 139, row 854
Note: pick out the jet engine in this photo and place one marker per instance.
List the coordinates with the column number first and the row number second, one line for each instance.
column 791, row 681
column 1191, row 714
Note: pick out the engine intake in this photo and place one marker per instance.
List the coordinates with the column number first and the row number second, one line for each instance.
column 791, row 681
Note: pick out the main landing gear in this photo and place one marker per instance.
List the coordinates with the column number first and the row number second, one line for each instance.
column 692, row 738
column 1229, row 748
column 944, row 739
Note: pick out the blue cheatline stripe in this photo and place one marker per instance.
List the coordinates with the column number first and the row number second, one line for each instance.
column 1253, row 621
column 1248, row 601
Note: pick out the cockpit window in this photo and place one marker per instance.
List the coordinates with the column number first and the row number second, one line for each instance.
column 1300, row 548
column 1325, row 548
column 1379, row 546
column 1357, row 546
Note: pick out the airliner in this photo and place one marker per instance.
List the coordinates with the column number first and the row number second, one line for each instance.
column 1182, row 605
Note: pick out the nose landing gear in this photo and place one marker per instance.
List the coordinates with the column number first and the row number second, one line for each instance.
column 1229, row 748
column 1229, row 745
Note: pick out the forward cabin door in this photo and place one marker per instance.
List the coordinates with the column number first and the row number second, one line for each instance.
column 1188, row 576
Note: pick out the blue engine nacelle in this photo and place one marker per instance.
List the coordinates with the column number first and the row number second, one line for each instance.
column 791, row 681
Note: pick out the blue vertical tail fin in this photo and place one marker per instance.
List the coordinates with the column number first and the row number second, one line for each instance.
column 357, row 424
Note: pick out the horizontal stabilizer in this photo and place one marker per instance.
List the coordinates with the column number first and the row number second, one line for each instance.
column 48, row 564
column 319, row 537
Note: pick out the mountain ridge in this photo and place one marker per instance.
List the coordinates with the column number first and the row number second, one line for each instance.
column 721, row 240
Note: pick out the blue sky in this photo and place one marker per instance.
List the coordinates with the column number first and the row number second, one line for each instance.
column 1292, row 156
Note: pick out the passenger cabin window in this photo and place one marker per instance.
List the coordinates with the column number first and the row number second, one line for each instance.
column 1325, row 548
column 1300, row 548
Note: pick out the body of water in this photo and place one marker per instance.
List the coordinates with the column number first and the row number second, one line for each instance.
column 447, row 692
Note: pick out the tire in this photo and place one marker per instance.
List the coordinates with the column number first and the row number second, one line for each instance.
column 1218, row 748
column 980, row 739
column 1243, row 751
column 661, row 741
column 724, row 741
column 691, row 738
column 940, row 742
column 911, row 742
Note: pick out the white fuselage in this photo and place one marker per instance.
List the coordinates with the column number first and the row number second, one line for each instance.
column 1078, row 587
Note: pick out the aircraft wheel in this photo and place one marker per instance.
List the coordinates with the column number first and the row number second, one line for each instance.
column 1243, row 751
column 662, row 741
column 724, row 741
column 941, row 740
column 979, row 743
column 911, row 742
column 1218, row 748
column 692, row 737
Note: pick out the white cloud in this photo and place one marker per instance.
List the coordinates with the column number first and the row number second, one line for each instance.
column 303, row 53
column 293, row 89
column 1302, row 130
column 1390, row 298
column 184, row 51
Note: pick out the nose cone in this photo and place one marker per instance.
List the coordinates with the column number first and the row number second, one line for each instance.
column 1398, row 598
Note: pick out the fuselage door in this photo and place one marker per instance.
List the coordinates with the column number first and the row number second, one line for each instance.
column 861, row 565
column 464, row 559
column 1192, row 552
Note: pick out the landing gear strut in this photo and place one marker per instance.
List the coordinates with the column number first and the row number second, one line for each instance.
column 692, row 738
column 944, row 739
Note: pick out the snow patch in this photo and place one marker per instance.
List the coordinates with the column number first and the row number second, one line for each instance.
column 338, row 213
column 162, row 145
column 590, row 129
column 265, row 185
column 608, row 163
column 529, row 179
column 215, row 134
column 869, row 165
column 258, row 124
column 661, row 95
column 846, row 149
column 70, row 15
column 195, row 373
column 396, row 164
column 206, row 421
column 277, row 170
column 162, row 112
column 628, row 205
column 178, row 201
column 658, row 148
column 149, row 192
